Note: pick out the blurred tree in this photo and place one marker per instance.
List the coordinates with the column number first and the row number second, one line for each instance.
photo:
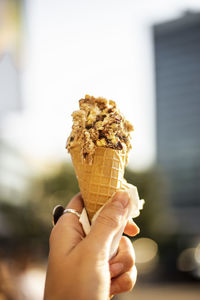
column 29, row 224
column 150, row 186
column 55, row 187
column 25, row 227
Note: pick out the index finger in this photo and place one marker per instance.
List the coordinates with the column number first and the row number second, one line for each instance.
column 131, row 228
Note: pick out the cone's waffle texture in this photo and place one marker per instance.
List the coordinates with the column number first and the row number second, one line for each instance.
column 100, row 180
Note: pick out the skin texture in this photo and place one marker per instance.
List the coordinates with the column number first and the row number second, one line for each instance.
column 79, row 266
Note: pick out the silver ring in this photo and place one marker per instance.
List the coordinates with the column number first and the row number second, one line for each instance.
column 71, row 210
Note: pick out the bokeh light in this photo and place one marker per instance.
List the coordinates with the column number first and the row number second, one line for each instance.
column 146, row 252
column 186, row 261
column 145, row 249
column 197, row 254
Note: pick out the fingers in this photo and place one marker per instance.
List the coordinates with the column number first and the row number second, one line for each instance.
column 122, row 268
column 131, row 228
column 76, row 203
column 68, row 231
column 110, row 220
column 124, row 260
column 124, row 282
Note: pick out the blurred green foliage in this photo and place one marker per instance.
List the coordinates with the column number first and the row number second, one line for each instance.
column 25, row 228
column 55, row 187
column 29, row 224
column 151, row 186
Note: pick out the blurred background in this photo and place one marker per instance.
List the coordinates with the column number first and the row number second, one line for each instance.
column 146, row 56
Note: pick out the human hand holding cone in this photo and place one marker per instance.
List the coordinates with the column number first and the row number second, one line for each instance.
column 99, row 145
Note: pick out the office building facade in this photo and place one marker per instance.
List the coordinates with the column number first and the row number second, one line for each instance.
column 177, row 66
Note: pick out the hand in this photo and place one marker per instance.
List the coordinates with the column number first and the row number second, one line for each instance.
column 79, row 266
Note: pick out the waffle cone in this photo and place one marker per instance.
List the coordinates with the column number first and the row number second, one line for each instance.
column 100, row 180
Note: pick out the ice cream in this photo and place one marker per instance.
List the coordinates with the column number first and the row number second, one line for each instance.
column 99, row 144
column 98, row 123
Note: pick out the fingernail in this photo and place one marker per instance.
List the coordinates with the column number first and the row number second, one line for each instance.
column 137, row 229
column 57, row 213
column 116, row 269
column 122, row 198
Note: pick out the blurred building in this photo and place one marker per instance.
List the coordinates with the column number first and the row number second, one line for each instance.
column 10, row 96
column 13, row 167
column 177, row 64
column 10, row 46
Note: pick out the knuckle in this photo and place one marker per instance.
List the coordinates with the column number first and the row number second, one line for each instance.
column 128, row 282
column 130, row 260
column 116, row 208
column 109, row 220
column 125, row 282
column 128, row 253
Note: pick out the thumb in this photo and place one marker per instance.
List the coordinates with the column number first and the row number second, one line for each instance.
column 110, row 221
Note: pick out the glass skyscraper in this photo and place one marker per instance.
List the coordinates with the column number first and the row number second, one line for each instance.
column 177, row 65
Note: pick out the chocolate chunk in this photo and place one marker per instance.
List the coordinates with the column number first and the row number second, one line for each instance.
column 119, row 145
column 117, row 118
column 85, row 154
column 88, row 127
column 101, row 105
column 71, row 139
column 98, row 118
column 125, row 139
column 101, row 134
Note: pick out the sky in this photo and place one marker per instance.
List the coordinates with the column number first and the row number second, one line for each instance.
column 102, row 48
